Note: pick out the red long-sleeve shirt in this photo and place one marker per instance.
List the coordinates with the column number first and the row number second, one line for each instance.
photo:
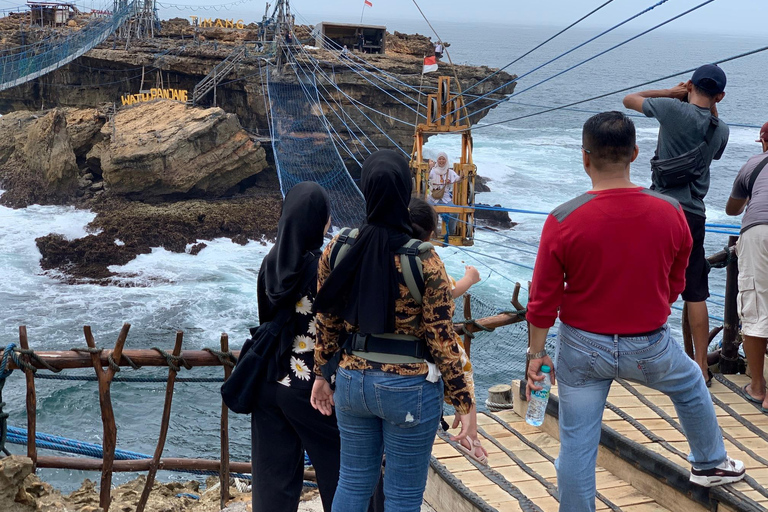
column 611, row 262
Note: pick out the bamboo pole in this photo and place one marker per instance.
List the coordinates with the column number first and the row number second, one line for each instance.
column 107, row 413
column 163, row 428
column 67, row 359
column 31, row 399
column 224, row 471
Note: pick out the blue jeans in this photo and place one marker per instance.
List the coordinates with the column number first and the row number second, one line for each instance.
column 586, row 365
column 379, row 413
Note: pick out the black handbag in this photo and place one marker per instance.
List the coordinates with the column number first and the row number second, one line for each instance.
column 686, row 168
column 255, row 364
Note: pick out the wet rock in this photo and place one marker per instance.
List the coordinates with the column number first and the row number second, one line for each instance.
column 481, row 184
column 141, row 226
column 165, row 148
column 195, row 249
column 494, row 218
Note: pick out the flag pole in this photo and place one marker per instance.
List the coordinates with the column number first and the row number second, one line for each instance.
column 418, row 102
column 362, row 13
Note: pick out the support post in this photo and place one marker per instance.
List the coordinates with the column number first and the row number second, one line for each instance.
column 163, row 427
column 107, row 413
column 467, row 316
column 224, row 471
column 31, row 400
column 729, row 359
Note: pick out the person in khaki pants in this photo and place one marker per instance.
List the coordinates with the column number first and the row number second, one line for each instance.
column 750, row 190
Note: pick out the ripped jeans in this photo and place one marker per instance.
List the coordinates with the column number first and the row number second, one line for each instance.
column 378, row 412
column 586, row 366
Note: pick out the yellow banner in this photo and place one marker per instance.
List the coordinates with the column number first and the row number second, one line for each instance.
column 155, row 94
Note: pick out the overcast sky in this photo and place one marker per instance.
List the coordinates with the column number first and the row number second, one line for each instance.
column 735, row 17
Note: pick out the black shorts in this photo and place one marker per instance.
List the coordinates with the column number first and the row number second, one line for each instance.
column 697, row 273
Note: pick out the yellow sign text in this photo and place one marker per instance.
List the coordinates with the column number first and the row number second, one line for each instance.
column 218, row 22
column 155, row 94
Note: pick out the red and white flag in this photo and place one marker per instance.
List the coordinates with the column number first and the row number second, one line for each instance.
column 369, row 3
column 430, row 64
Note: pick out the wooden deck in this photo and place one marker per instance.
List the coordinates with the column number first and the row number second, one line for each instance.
column 642, row 463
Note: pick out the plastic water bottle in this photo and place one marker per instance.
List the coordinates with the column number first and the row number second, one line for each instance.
column 537, row 407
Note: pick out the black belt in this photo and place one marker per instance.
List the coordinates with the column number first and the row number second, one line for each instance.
column 369, row 343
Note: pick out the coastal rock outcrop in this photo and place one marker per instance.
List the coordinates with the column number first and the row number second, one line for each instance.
column 37, row 162
column 165, row 148
column 155, row 149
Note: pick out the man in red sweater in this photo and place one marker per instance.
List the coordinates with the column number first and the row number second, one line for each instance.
column 611, row 262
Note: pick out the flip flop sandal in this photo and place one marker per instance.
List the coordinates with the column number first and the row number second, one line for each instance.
column 471, row 453
column 751, row 398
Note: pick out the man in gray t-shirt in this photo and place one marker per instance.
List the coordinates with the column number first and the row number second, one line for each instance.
column 685, row 113
column 752, row 251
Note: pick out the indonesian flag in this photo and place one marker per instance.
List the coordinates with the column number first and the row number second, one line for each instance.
column 430, row 64
column 369, row 3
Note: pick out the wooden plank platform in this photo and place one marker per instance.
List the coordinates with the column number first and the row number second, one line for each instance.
column 520, row 475
column 642, row 461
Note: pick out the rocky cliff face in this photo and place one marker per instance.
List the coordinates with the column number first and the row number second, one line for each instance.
column 104, row 74
column 153, row 150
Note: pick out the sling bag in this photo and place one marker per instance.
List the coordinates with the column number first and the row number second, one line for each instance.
column 686, row 168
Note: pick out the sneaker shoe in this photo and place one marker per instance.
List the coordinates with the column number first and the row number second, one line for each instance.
column 729, row 471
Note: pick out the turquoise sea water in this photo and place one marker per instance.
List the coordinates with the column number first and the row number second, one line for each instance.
column 534, row 164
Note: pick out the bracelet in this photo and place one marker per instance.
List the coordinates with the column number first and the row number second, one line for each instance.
column 537, row 355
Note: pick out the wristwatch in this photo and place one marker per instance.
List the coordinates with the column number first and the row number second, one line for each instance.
column 537, row 355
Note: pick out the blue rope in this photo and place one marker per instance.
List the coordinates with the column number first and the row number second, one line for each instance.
column 19, row 436
column 570, row 68
column 644, row 11
column 719, row 319
column 538, row 46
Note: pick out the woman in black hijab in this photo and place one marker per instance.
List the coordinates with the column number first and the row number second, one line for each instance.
column 385, row 400
column 284, row 424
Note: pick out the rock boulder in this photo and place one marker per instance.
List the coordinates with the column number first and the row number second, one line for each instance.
column 37, row 162
column 165, row 148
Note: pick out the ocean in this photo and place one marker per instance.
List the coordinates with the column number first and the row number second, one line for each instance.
column 533, row 164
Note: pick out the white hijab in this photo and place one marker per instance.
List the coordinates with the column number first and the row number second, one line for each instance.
column 442, row 170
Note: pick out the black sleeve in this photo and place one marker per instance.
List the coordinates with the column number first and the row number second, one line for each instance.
column 266, row 310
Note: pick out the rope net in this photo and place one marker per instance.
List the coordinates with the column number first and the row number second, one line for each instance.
column 28, row 62
column 304, row 147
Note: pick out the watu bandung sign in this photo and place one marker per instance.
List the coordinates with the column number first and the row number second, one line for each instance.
column 155, row 94
column 218, row 22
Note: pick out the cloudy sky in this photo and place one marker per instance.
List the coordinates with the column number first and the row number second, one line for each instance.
column 734, row 17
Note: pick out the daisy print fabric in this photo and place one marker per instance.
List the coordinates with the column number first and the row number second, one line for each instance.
column 299, row 362
column 300, row 369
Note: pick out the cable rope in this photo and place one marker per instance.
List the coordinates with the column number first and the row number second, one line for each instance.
column 325, row 119
column 349, row 66
column 625, row 89
column 202, row 7
column 570, row 68
column 537, row 47
column 341, row 108
column 354, row 102
column 550, row 61
column 478, row 260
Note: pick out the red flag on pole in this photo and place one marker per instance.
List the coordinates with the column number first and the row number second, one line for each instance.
column 430, row 64
column 369, row 3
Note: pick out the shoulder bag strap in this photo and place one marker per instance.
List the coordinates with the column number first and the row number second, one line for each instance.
column 753, row 177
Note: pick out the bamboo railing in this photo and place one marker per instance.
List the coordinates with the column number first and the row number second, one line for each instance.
column 106, row 363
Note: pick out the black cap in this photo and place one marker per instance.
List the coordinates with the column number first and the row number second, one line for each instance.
column 709, row 78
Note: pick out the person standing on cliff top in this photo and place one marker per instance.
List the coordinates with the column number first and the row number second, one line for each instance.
column 690, row 137
column 439, row 50
column 610, row 263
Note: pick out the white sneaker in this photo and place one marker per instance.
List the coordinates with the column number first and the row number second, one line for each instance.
column 729, row 471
